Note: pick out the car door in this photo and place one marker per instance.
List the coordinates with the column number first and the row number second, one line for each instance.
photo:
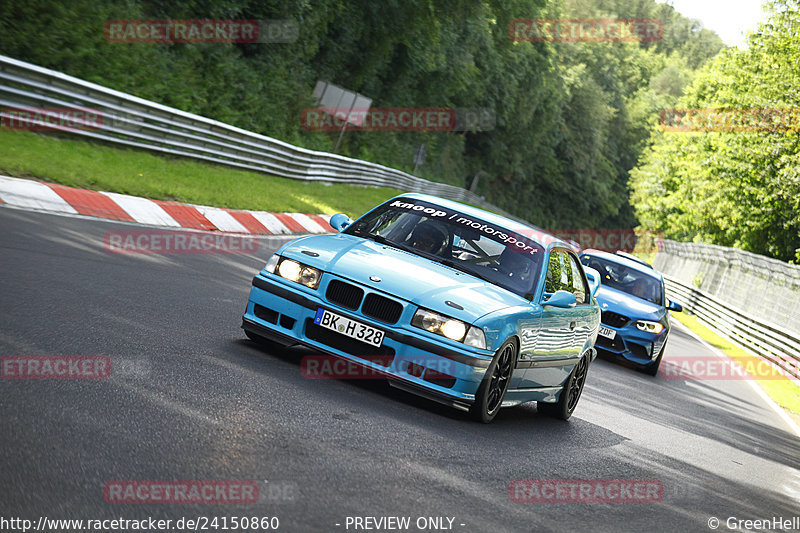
column 554, row 353
column 585, row 314
column 558, row 323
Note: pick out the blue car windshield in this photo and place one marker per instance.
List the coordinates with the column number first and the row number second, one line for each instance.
column 626, row 279
column 486, row 251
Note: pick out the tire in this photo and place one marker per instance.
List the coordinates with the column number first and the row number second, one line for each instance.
column 570, row 394
column 494, row 386
column 652, row 368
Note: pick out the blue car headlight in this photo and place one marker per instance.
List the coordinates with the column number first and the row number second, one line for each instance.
column 475, row 338
column 650, row 327
column 294, row 271
column 272, row 263
column 449, row 327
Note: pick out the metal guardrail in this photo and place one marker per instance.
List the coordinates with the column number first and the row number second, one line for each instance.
column 138, row 123
column 769, row 341
column 768, row 288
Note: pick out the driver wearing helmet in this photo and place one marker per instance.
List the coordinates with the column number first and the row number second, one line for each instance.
column 515, row 265
column 617, row 272
column 641, row 289
column 428, row 237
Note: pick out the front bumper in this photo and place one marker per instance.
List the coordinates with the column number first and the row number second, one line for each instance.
column 632, row 344
column 284, row 312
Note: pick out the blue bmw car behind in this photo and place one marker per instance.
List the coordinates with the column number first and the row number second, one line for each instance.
column 634, row 309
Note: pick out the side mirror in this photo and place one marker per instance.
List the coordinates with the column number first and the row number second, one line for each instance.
column 561, row 299
column 339, row 221
column 674, row 306
column 594, row 279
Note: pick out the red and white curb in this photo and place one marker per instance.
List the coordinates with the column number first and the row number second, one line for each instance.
column 22, row 193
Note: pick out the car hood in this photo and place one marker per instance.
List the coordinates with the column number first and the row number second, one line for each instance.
column 402, row 274
column 626, row 304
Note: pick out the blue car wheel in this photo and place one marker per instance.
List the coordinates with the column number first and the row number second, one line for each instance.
column 570, row 394
column 495, row 383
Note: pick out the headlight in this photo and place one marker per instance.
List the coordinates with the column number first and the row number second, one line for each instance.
column 440, row 324
column 650, row 327
column 298, row 272
column 272, row 263
column 475, row 338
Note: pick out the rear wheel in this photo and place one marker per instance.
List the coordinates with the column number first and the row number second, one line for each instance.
column 570, row 394
column 495, row 383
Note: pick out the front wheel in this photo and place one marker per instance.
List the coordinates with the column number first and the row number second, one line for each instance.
column 489, row 397
column 570, row 394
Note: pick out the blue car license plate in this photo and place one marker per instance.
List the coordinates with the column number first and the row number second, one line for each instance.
column 607, row 332
column 350, row 328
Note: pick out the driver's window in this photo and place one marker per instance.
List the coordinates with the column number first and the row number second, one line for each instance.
column 578, row 286
column 566, row 272
column 555, row 272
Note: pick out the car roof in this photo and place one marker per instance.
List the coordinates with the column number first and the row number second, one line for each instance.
column 528, row 230
column 622, row 260
column 633, row 258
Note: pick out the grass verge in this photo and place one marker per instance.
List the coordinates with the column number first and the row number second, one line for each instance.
column 784, row 392
column 93, row 166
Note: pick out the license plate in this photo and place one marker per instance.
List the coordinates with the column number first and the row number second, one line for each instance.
column 350, row 328
column 607, row 332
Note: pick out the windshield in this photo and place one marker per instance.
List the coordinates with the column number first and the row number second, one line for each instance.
column 625, row 279
column 492, row 253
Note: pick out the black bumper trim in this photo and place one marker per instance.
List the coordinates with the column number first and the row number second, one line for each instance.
column 286, row 294
column 414, row 342
column 413, row 388
column 269, row 334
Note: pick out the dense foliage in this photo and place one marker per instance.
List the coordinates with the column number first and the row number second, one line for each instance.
column 571, row 118
column 734, row 182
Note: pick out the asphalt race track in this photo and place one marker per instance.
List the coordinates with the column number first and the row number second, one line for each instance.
column 190, row 398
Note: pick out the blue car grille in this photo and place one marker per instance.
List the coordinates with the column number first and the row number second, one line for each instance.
column 383, row 309
column 615, row 320
column 375, row 306
column 344, row 294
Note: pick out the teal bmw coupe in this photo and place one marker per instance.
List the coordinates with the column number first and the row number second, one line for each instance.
column 448, row 301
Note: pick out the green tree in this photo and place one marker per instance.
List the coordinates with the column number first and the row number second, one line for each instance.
column 734, row 188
